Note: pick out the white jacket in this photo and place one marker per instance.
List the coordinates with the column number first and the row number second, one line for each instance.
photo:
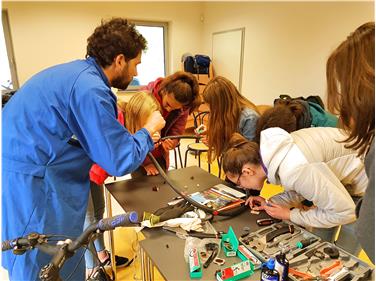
column 311, row 164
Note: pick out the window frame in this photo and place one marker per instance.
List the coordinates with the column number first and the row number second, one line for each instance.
column 164, row 25
column 9, row 48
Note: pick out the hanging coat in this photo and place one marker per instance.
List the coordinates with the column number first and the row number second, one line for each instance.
column 45, row 182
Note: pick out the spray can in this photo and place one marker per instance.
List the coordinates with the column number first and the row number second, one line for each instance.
column 282, row 265
column 268, row 273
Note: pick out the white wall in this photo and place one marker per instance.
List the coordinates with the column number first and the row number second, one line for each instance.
column 286, row 44
column 48, row 33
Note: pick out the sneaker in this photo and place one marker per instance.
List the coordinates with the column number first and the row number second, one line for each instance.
column 99, row 275
column 119, row 260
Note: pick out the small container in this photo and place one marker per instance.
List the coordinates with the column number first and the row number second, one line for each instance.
column 268, row 273
column 195, row 269
column 282, row 266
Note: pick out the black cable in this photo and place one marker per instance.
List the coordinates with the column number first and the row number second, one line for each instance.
column 228, row 213
column 74, row 270
column 181, row 137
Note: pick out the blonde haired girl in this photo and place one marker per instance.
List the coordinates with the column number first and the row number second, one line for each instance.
column 133, row 115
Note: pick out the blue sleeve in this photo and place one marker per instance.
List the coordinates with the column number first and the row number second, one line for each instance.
column 92, row 119
column 247, row 126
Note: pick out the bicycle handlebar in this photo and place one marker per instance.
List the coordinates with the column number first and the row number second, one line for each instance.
column 61, row 252
column 126, row 219
column 11, row 244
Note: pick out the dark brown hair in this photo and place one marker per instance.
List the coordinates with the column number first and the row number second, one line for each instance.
column 240, row 152
column 283, row 115
column 184, row 87
column 112, row 38
column 226, row 105
column 350, row 73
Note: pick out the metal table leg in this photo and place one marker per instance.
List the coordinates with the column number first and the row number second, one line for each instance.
column 147, row 267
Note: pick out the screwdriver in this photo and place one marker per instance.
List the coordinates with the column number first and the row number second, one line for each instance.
column 306, row 242
column 265, row 222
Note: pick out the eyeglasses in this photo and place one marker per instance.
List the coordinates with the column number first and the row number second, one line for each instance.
column 238, row 180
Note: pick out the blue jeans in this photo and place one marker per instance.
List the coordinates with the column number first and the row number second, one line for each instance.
column 94, row 213
column 347, row 238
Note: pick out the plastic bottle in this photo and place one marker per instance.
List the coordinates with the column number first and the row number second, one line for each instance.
column 268, row 273
column 282, row 266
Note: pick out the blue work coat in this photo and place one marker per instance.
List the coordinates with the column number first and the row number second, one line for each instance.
column 45, row 180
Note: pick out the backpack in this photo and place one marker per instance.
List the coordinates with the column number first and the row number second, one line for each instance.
column 198, row 64
column 314, row 99
column 189, row 64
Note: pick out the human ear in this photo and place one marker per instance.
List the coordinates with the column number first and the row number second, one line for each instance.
column 120, row 60
column 248, row 171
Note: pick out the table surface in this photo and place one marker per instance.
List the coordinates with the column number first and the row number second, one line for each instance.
column 165, row 249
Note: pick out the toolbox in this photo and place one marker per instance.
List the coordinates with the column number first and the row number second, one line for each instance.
column 329, row 262
column 309, row 257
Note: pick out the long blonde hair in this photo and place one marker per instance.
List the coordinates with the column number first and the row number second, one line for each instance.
column 226, row 105
column 350, row 73
column 138, row 110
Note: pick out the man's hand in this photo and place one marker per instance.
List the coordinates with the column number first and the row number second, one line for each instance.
column 168, row 144
column 155, row 123
column 255, row 202
column 277, row 211
column 156, row 136
column 151, row 170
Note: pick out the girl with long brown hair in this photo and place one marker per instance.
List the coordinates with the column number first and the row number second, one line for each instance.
column 350, row 72
column 230, row 112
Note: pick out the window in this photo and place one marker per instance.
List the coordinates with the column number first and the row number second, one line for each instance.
column 153, row 63
column 8, row 72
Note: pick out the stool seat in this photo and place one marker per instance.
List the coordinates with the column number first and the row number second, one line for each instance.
column 198, row 146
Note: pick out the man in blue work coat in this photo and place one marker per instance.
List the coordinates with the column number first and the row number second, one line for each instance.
column 45, row 182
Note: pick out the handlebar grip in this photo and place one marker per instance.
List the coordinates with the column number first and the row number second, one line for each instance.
column 119, row 220
column 11, row 244
column 7, row 245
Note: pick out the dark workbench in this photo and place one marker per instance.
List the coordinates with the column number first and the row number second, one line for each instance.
column 165, row 249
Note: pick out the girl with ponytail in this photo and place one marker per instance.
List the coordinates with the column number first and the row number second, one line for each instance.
column 311, row 164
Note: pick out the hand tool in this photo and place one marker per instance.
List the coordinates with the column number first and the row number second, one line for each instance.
column 267, row 221
column 213, row 247
column 343, row 274
column 332, row 252
column 282, row 241
column 326, row 271
column 271, row 235
column 306, row 242
column 303, row 275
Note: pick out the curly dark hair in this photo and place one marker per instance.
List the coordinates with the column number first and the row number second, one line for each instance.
column 113, row 37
